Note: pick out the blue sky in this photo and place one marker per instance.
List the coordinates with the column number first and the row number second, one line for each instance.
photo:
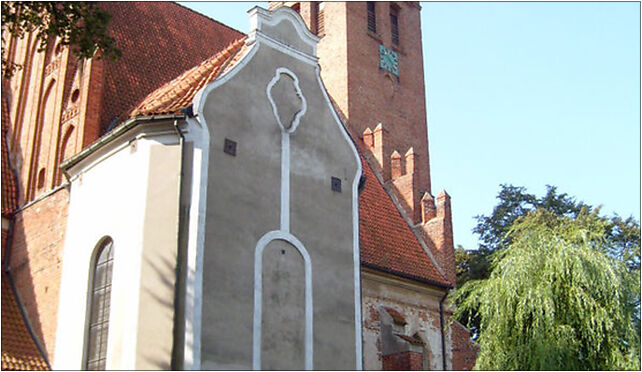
column 528, row 94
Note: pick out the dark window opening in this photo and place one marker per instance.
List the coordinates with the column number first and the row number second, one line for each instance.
column 372, row 17
column 297, row 7
column 394, row 24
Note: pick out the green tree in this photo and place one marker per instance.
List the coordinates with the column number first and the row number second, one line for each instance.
column 514, row 202
column 623, row 235
column 555, row 299
column 81, row 25
column 470, row 265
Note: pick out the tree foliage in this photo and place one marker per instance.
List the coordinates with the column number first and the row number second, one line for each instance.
column 555, row 299
column 81, row 25
column 622, row 235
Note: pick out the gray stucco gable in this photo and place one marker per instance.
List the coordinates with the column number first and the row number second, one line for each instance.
column 280, row 260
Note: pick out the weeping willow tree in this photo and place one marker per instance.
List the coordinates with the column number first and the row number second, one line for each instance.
column 556, row 300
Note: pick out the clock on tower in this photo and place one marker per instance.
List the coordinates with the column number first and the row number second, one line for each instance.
column 388, row 60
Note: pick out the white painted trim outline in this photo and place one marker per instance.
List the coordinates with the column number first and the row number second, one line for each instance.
column 356, row 254
column 282, row 234
column 258, row 295
column 304, row 104
column 199, row 135
column 260, row 16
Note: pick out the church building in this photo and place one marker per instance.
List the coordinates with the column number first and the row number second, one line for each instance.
column 222, row 201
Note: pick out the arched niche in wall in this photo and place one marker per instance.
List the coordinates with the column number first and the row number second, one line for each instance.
column 65, row 150
column 282, row 303
column 44, row 119
column 283, row 307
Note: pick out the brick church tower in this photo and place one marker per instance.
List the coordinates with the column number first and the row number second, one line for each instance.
column 371, row 61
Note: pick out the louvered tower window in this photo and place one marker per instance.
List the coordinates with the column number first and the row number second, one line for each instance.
column 98, row 328
column 394, row 24
column 372, row 17
column 320, row 18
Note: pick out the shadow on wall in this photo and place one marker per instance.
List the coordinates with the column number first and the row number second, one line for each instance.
column 157, row 307
column 34, row 258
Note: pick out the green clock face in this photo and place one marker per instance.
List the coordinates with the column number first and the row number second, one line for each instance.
column 388, row 60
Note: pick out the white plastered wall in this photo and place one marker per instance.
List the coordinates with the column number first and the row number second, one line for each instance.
column 108, row 198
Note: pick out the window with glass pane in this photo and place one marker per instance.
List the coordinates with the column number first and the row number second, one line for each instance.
column 99, row 307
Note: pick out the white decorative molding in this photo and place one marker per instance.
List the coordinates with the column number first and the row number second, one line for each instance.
column 201, row 95
column 258, row 295
column 358, row 327
column 200, row 136
column 283, row 233
column 304, row 105
column 261, row 38
column 260, row 17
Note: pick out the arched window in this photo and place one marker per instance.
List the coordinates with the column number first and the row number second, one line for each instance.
column 100, row 295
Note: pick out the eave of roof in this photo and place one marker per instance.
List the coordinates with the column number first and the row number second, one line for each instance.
column 115, row 133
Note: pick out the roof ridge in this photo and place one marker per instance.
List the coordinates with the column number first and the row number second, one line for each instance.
column 208, row 18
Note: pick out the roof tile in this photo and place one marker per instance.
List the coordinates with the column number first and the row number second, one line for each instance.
column 19, row 351
column 158, row 40
column 179, row 93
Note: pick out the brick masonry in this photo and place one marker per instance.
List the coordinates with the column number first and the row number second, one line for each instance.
column 464, row 351
column 36, row 262
column 406, row 361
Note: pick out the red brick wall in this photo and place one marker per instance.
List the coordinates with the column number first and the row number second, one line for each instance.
column 405, row 361
column 374, row 95
column 464, row 350
column 36, row 262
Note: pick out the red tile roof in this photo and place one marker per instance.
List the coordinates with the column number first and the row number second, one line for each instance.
column 179, row 93
column 158, row 40
column 9, row 190
column 387, row 243
column 19, row 351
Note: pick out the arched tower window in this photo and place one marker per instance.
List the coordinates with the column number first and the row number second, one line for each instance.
column 100, row 296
